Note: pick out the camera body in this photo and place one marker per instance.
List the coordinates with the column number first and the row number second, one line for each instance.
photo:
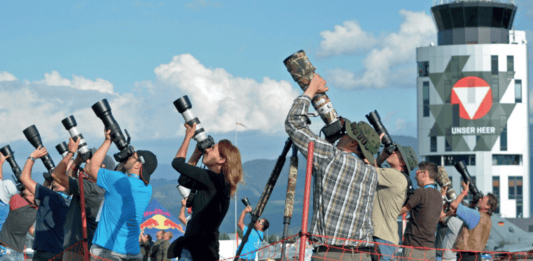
column 302, row 72
column 6, row 151
column 71, row 126
column 461, row 168
column 103, row 111
column 375, row 121
column 184, row 106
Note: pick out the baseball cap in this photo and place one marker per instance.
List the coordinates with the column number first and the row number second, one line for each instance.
column 149, row 164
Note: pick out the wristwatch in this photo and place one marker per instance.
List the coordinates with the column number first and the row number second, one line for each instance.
column 31, row 158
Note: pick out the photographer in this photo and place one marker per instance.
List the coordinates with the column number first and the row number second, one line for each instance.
column 215, row 185
column 52, row 212
column 425, row 207
column 127, row 195
column 477, row 224
column 345, row 181
column 447, row 231
column 7, row 190
column 68, row 177
column 391, row 195
column 19, row 222
column 255, row 238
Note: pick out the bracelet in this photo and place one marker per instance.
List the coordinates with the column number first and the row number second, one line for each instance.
column 31, row 158
column 464, row 192
column 71, row 152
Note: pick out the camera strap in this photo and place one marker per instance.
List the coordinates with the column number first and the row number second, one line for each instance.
column 410, row 188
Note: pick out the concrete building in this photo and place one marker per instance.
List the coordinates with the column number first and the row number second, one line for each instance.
column 472, row 99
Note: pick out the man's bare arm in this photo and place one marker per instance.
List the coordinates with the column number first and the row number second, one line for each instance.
column 59, row 173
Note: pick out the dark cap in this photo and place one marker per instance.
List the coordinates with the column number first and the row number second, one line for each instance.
column 108, row 160
column 366, row 137
column 149, row 162
column 409, row 157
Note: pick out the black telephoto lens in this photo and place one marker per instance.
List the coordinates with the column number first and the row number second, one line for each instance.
column 461, row 168
column 32, row 134
column 6, row 151
column 375, row 120
column 69, row 122
column 245, row 201
column 103, row 111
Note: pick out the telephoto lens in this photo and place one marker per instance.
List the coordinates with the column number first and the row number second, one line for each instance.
column 32, row 134
column 62, row 148
column 184, row 106
column 444, row 181
column 103, row 111
column 71, row 126
column 6, row 151
column 245, row 201
column 302, row 71
column 461, row 168
column 375, row 120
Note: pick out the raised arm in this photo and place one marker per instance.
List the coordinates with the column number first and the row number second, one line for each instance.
column 189, row 133
column 460, row 197
column 297, row 125
column 248, row 209
column 182, row 217
column 98, row 157
column 25, row 177
column 2, row 160
column 59, row 173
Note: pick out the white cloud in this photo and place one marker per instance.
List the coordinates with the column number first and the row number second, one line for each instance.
column 6, row 77
column 77, row 82
column 391, row 60
column 348, row 38
column 220, row 99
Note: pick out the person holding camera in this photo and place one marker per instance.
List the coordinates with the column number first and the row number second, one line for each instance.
column 128, row 192
column 345, row 181
column 66, row 173
column 391, row 196
column 256, row 236
column 447, row 231
column 51, row 213
column 215, row 186
column 7, row 190
column 19, row 222
column 424, row 206
column 477, row 224
column 145, row 242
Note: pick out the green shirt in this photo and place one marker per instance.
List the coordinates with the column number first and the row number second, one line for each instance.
column 389, row 200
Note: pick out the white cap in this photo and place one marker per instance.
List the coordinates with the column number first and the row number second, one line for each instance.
column 7, row 190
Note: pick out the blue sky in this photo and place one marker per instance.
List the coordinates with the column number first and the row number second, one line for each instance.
column 58, row 58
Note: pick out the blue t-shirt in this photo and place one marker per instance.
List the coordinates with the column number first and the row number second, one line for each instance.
column 470, row 216
column 51, row 216
column 253, row 243
column 4, row 211
column 125, row 200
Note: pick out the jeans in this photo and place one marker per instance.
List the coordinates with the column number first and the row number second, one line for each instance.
column 98, row 251
column 185, row 255
column 387, row 252
column 12, row 255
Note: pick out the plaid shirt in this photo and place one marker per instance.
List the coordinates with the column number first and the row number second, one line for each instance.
column 344, row 186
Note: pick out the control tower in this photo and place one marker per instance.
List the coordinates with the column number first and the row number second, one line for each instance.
column 472, row 99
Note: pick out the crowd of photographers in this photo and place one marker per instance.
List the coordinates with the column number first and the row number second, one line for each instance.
column 356, row 201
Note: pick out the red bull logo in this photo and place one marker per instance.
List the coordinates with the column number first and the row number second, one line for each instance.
column 161, row 222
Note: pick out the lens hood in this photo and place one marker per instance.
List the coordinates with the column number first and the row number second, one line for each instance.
column 69, row 122
column 101, row 107
column 32, row 134
column 183, row 104
column 62, row 148
column 6, row 151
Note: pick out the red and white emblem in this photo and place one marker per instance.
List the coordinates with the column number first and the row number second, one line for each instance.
column 474, row 97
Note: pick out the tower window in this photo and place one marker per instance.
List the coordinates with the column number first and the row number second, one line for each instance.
column 494, row 64
column 425, row 90
column 518, row 91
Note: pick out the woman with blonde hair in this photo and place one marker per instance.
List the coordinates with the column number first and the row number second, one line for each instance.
column 215, row 186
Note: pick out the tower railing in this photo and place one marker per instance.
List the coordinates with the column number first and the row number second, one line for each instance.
column 443, row 2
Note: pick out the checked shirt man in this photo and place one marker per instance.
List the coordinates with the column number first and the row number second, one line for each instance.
column 345, row 181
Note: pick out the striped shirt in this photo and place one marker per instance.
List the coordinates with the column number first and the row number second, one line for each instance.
column 344, row 186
